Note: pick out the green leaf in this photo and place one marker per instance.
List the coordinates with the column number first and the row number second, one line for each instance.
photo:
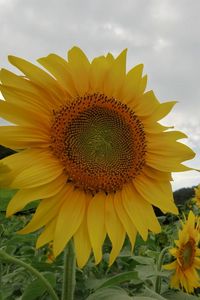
column 145, row 271
column 143, row 298
column 36, row 288
column 171, row 295
column 117, row 279
column 114, row 293
column 151, row 294
column 143, row 260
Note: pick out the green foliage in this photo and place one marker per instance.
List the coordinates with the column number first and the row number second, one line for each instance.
column 5, row 196
column 36, row 289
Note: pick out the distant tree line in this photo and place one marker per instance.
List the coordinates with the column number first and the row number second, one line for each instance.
column 183, row 195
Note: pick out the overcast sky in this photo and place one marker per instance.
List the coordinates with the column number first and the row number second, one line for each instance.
column 162, row 34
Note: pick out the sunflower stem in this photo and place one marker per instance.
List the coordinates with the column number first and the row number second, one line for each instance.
column 11, row 259
column 69, row 276
column 159, row 268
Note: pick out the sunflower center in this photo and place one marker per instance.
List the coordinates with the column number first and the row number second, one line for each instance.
column 187, row 254
column 100, row 142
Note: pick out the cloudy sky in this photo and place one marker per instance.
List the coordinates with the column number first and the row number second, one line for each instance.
column 162, row 34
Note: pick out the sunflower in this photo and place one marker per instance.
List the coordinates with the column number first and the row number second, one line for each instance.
column 91, row 149
column 196, row 199
column 187, row 254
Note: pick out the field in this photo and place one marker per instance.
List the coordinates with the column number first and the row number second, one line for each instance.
column 137, row 275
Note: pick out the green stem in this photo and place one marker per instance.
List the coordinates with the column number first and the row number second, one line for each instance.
column 9, row 258
column 69, row 276
column 159, row 268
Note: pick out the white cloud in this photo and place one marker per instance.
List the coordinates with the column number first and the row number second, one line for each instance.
column 164, row 11
column 161, row 44
column 186, row 179
column 162, row 34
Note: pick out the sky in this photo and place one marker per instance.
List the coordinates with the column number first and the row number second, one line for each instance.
column 164, row 35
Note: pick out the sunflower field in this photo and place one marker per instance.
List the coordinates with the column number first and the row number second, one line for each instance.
column 87, row 208
column 134, row 275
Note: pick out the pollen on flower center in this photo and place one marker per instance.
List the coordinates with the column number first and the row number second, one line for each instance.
column 100, row 142
column 187, row 254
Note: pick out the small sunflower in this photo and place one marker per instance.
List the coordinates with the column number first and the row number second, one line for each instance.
column 91, row 149
column 186, row 252
column 196, row 199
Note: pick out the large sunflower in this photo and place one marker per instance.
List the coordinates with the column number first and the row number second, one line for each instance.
column 187, row 254
column 93, row 151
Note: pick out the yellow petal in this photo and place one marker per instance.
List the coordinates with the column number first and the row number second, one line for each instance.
column 146, row 105
column 114, row 228
column 157, row 193
column 115, row 76
column 79, row 68
column 16, row 164
column 96, row 224
column 140, row 211
column 174, row 282
column 33, row 101
column 3, row 169
column 47, row 234
column 20, row 137
column 4, row 175
column 170, row 266
column 165, row 137
column 142, row 85
column 82, row 243
column 99, row 69
column 39, row 77
column 197, row 263
column 47, row 210
column 20, row 161
column 133, row 209
column 185, row 283
column 130, row 88
column 173, row 252
column 162, row 110
column 154, row 127
column 59, row 68
column 21, row 165
column 10, row 79
column 165, row 154
column 38, row 174
column 173, row 149
column 23, row 197
column 21, row 115
column 110, row 58
column 156, row 174
column 124, row 218
column 166, row 163
column 70, row 217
